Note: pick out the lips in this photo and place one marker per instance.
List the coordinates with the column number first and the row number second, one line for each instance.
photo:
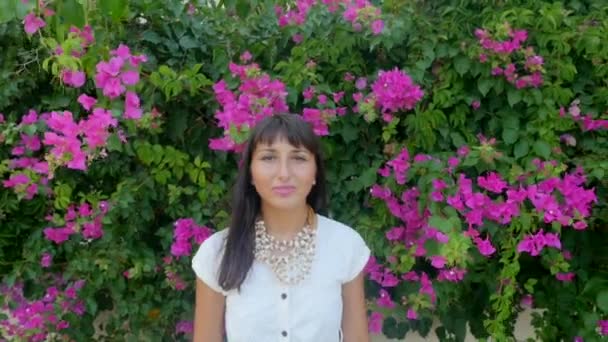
column 284, row 190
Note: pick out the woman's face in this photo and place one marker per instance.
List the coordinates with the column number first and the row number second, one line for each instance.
column 282, row 174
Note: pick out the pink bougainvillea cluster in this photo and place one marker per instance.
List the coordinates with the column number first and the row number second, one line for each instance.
column 70, row 77
column 257, row 97
column 359, row 13
column 487, row 198
column 586, row 121
column 326, row 110
column 32, row 22
column 185, row 233
column 393, row 91
column 40, row 319
column 519, row 65
column 84, row 218
column 59, row 139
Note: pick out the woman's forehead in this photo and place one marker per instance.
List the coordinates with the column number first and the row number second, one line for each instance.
column 279, row 143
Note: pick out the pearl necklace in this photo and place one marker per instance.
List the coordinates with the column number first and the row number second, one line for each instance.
column 290, row 260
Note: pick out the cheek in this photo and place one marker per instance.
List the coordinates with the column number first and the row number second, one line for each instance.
column 308, row 172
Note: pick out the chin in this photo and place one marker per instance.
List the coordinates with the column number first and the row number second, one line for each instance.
column 287, row 203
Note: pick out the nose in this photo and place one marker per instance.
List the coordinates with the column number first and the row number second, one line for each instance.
column 284, row 169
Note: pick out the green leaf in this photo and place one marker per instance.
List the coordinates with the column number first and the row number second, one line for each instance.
column 513, row 97
column 462, row 64
column 243, row 7
column 542, row 148
column 188, row 42
column 72, row 13
column 521, row 148
column 349, row 132
column 457, row 139
column 368, row 177
column 114, row 143
column 440, row 223
column 602, row 301
column 510, row 135
column 152, row 37
column 11, row 9
column 484, row 85
column 116, row 9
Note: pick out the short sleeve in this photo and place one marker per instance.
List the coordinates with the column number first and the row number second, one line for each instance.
column 207, row 259
column 359, row 256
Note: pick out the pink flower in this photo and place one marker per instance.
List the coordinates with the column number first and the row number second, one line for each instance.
column 15, row 180
column 412, row 314
column 74, row 79
column 375, row 323
column 534, row 244
column 246, row 57
column 322, row 99
column 438, row 261
column 384, row 300
column 30, row 119
column 361, row 83
column 377, row 26
column 484, row 246
column 129, row 77
column 200, row 234
column 389, row 279
column 565, row 277
column 57, row 235
column 453, row 275
column 92, row 230
column 395, row 233
column 184, row 327
column 132, row 106
column 297, row 38
column 463, row 151
column 32, row 23
column 603, row 326
column 46, row 260
column 568, row 139
column 86, row 101
column 527, row 300
column 475, row 104
column 492, row 182
column 309, row 93
column 497, row 71
column 394, row 90
column 318, row 119
column 63, row 325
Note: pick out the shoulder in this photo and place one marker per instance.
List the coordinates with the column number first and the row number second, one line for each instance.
column 217, row 239
column 346, row 247
column 206, row 260
column 338, row 230
column 212, row 246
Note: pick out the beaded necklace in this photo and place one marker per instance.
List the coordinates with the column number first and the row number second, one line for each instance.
column 290, row 260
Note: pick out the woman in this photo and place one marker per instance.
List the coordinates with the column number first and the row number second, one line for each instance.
column 282, row 271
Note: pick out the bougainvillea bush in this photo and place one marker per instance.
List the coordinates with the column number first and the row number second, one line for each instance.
column 465, row 140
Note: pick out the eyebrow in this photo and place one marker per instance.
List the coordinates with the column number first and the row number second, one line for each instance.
column 268, row 149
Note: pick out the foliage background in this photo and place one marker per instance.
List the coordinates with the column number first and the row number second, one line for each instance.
column 161, row 175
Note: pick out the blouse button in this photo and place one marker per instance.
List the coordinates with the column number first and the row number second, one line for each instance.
column 284, row 295
column 284, row 333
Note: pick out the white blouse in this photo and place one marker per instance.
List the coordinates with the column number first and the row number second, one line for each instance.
column 265, row 310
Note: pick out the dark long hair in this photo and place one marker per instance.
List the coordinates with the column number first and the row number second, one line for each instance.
column 246, row 203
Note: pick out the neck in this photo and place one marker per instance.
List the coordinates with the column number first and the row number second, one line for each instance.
column 284, row 224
